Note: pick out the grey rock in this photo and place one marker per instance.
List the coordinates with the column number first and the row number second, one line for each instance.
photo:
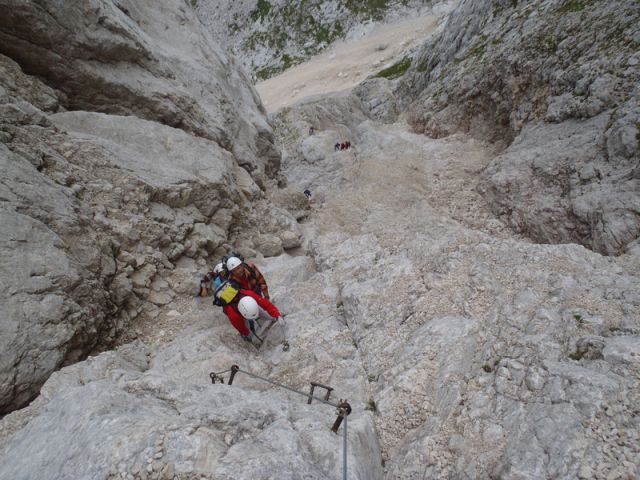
column 498, row 70
column 269, row 245
column 564, row 210
column 377, row 94
column 585, row 472
column 160, row 298
column 456, row 443
column 534, row 380
column 455, row 344
column 622, row 350
column 52, row 305
column 115, row 406
column 155, row 73
column 290, row 240
column 112, row 197
column 563, row 107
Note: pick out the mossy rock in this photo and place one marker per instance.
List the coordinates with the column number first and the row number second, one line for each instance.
column 396, row 70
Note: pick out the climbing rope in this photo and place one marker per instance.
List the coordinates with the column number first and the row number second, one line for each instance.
column 343, row 409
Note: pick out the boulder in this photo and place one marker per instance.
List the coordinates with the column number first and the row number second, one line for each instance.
column 269, row 245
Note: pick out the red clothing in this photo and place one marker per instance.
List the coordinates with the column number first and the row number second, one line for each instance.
column 237, row 320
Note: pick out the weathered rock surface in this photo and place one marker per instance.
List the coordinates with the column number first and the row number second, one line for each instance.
column 52, row 277
column 148, row 59
column 128, row 141
column 465, row 350
column 559, row 77
column 153, row 413
column 551, row 173
column 486, row 356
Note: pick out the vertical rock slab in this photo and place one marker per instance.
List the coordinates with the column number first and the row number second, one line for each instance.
column 144, row 58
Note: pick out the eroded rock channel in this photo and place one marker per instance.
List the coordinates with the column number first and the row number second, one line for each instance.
column 465, row 349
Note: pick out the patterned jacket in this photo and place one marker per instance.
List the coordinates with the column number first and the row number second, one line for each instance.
column 250, row 278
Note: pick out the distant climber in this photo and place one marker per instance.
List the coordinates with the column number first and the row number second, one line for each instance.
column 307, row 193
column 342, row 146
column 243, row 312
column 247, row 275
column 311, row 130
column 336, row 147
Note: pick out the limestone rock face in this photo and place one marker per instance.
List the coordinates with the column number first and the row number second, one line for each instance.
column 486, row 356
column 128, row 141
column 152, row 412
column 464, row 349
column 148, row 59
column 545, row 76
column 600, row 195
column 378, row 96
column 53, row 272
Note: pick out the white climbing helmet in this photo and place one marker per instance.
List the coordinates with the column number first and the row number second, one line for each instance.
column 248, row 308
column 233, row 262
column 218, row 268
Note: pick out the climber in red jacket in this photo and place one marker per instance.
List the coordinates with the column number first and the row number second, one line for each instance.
column 242, row 313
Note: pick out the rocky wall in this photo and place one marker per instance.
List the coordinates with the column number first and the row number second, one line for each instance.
column 129, row 141
column 557, row 82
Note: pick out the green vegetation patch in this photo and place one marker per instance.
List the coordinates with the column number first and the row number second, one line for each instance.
column 423, row 67
column 286, row 61
column 577, row 355
column 373, row 8
column 572, row 6
column 477, row 51
column 261, row 11
column 267, row 72
column 396, row 70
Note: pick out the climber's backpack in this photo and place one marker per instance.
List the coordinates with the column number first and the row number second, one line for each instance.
column 226, row 293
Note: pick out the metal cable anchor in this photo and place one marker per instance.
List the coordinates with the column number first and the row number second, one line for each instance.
column 234, row 370
column 316, row 384
column 342, row 411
